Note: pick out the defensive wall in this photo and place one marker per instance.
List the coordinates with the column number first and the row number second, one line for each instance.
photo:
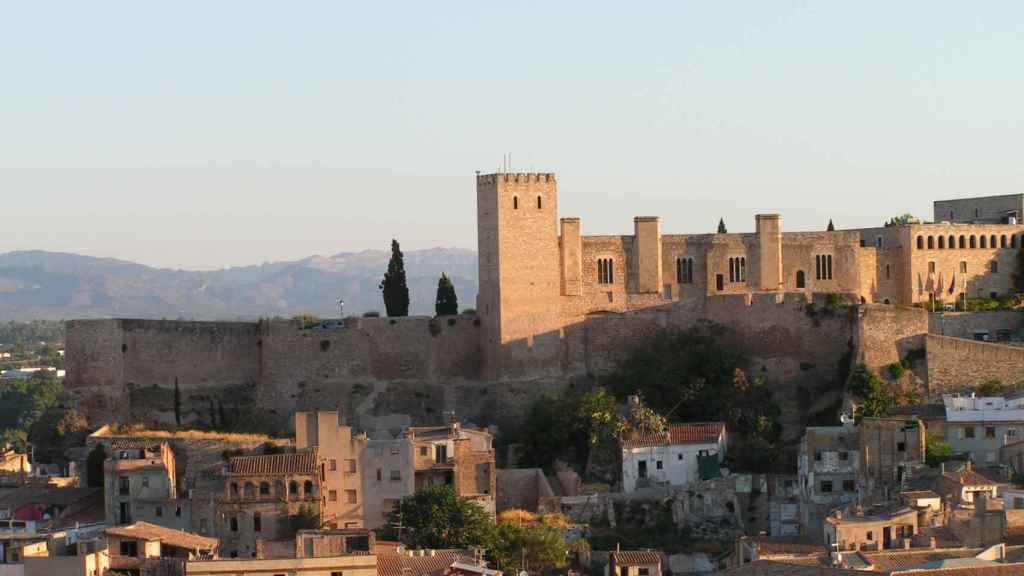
column 995, row 324
column 385, row 373
column 956, row 363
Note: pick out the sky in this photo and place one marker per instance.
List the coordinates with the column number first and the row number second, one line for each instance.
column 202, row 135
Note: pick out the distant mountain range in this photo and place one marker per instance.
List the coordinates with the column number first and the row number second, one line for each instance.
column 52, row 285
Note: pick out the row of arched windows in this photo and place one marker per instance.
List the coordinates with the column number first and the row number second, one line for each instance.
column 605, row 271
column 248, row 491
column 963, row 242
column 738, row 269
column 515, row 203
column 684, row 270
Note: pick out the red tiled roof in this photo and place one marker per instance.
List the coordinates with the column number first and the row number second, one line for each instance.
column 969, row 478
column 166, row 536
column 404, row 564
column 636, row 557
column 693, row 433
column 292, row 463
column 783, row 568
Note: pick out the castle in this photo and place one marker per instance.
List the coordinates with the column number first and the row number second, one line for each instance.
column 539, row 274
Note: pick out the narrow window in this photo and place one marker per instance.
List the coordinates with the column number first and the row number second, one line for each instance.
column 931, row 267
column 350, row 496
column 257, row 522
column 1013, row 241
column 817, row 267
column 952, row 242
column 931, row 243
column 293, row 488
column 539, row 204
column 800, row 282
column 732, row 271
column 743, row 269
column 994, row 267
column 159, row 511
column 963, row 267
column 515, row 202
column 963, row 244
column 974, row 241
column 984, row 242
column 878, row 241
column 234, row 523
column 920, row 242
column 380, row 475
column 992, row 241
column 829, row 266
column 942, row 242
column 887, row 269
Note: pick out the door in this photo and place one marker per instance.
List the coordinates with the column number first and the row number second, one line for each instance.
column 886, row 537
column 125, row 516
column 641, row 471
column 441, row 450
column 719, row 282
column 801, row 282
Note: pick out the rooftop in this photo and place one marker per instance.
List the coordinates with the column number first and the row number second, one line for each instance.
column 692, row 433
column 304, row 462
column 636, row 557
column 415, row 562
column 166, row 536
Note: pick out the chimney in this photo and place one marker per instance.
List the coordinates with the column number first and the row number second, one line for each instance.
column 942, row 468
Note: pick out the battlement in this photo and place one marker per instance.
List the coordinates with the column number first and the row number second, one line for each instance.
column 484, row 179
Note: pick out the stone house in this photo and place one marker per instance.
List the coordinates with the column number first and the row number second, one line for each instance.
column 310, row 553
column 828, row 464
column 890, row 451
column 980, row 426
column 892, row 528
column 141, row 484
column 454, row 456
column 962, row 487
column 388, row 476
column 144, row 548
column 672, row 457
column 261, row 492
column 634, row 563
column 82, row 558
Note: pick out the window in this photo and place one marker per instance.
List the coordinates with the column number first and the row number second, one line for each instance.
column 177, row 511
column 931, row 243
column 942, row 242
column 878, row 241
column 849, row 486
column 158, row 511
column 920, row 242
column 963, row 244
column 380, row 474
column 332, row 495
column 124, row 485
column 993, row 267
column 684, row 270
column 658, row 465
column 871, row 535
column 1002, row 241
column 990, row 432
column 145, row 481
column 952, row 242
column 333, row 465
column 396, row 476
column 293, row 488
column 233, row 521
column 337, row 573
column 395, row 450
column 992, row 241
column 202, row 525
column 844, row 455
column 350, row 466
column 680, row 456
column 539, row 204
column 515, row 202
column 423, row 450
column 350, row 496
column 963, row 267
column 968, row 431
column 257, row 522
column 307, row 487
column 801, row 282
column 887, row 271
column 823, row 267
column 901, row 446
column 264, row 488
column 1011, row 432
column 643, row 571
column 738, row 269
column 826, row 486
column 817, row 455
column 984, row 241
column 129, row 548
column 605, row 271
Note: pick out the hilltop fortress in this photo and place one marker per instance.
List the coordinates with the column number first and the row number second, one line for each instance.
column 555, row 305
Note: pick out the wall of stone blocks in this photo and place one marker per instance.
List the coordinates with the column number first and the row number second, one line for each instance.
column 965, row 324
column 955, row 363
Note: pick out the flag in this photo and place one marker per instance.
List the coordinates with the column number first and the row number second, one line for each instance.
column 952, row 285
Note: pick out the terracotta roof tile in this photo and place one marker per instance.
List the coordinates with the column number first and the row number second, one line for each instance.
column 404, row 564
column 967, row 477
column 166, row 536
column 692, row 433
column 293, row 463
column 636, row 557
column 782, row 568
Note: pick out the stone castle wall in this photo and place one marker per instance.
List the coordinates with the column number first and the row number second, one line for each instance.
column 955, row 363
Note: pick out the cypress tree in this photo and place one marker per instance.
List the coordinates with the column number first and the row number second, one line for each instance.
column 721, row 226
column 447, row 303
column 831, row 227
column 393, row 286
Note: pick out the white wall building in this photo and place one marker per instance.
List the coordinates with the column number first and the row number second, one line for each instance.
column 670, row 458
column 978, row 426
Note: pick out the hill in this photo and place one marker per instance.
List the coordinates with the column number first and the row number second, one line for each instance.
column 50, row 285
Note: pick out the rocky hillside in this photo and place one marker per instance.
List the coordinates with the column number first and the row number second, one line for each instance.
column 49, row 285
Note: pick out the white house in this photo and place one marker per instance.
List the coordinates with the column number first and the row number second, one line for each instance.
column 670, row 457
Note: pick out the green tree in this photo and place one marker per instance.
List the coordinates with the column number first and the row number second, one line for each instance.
column 541, row 547
column 94, row 466
column 901, row 220
column 447, row 303
column 990, row 388
column 937, row 451
column 876, row 396
column 23, row 402
column 393, row 286
column 436, row 517
column 721, row 226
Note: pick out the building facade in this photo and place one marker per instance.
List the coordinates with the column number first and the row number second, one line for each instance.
column 141, row 484
column 980, row 426
column 672, row 457
column 454, row 456
column 540, row 275
column 340, row 453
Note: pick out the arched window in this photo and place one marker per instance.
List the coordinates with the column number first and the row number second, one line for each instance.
column 257, row 522
column 539, row 203
column 992, row 241
column 1013, row 241
column 264, row 488
column 732, row 269
column 249, row 491
column 920, row 243
column 743, row 269
column 684, row 270
column 942, row 242
column 984, row 241
column 1002, row 241
column 823, row 267
column 279, row 489
column 886, row 301
column 293, row 488
column 974, row 241
column 931, row 243
column 605, row 271
column 952, row 242
column 963, row 244
column 800, row 281
column 515, row 202
column 307, row 488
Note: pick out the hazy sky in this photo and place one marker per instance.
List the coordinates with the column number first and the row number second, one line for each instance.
column 209, row 134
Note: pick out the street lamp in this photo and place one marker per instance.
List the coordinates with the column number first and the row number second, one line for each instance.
column 341, row 308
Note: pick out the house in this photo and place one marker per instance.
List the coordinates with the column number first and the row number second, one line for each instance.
column 891, row 449
column 416, row 562
column 81, row 558
column 15, row 467
column 388, row 476
column 310, row 553
column 980, row 426
column 455, row 456
column 879, row 530
column 261, row 492
column 634, row 563
column 141, row 484
column 339, row 452
column 961, row 487
column 828, row 464
column 145, row 548
column 675, row 457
